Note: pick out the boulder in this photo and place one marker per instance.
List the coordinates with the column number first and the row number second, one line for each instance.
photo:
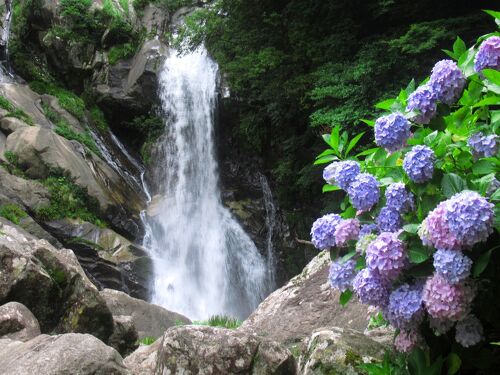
column 60, row 355
column 307, row 303
column 17, row 322
column 338, row 351
column 143, row 360
column 124, row 337
column 11, row 124
column 210, row 350
column 150, row 320
column 28, row 193
column 52, row 284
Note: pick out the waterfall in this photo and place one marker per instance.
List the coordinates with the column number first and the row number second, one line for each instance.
column 205, row 263
column 270, row 226
column 6, row 74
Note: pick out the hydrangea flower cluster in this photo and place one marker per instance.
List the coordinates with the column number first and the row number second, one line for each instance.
column 364, row 192
column 329, row 173
column 323, row 231
column 386, row 255
column 440, row 326
column 419, row 163
column 371, row 288
column 483, row 146
column 345, row 172
column 434, row 230
column 422, row 100
column 405, row 309
column 398, row 198
column 346, row 230
column 368, row 229
column 342, row 274
column 488, row 56
column 364, row 242
column 392, row 131
column 406, row 341
column 389, row 220
column 447, row 81
column 452, row 265
column 469, row 331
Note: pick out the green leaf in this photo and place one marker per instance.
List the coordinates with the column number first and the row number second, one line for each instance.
column 492, row 75
column 411, row 228
column 325, row 153
column 325, row 159
column 490, row 100
column 327, row 188
column 482, row 167
column 386, row 104
column 368, row 152
column 418, row 254
column 493, row 13
column 353, row 143
column 459, row 47
column 452, row 184
column 360, row 263
column 348, row 256
column 481, row 263
column 453, row 363
column 345, row 297
column 370, row 123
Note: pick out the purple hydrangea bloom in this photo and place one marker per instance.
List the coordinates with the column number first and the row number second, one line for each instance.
column 423, row 100
column 405, row 309
column 440, row 326
column 364, row 192
column 370, row 288
column 406, row 341
column 397, row 197
column 452, row 265
column 345, row 172
column 447, row 81
column 419, row 163
column 488, row 56
column 392, row 131
column 387, row 255
column 364, row 242
column 469, row 331
column 323, row 231
column 470, row 217
column 434, row 230
column 446, row 301
column 368, row 229
column 329, row 173
column 482, row 146
column 342, row 274
column 346, row 230
column 389, row 220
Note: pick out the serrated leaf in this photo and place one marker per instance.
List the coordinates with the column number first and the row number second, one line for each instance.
column 452, row 184
column 345, row 297
column 418, row 255
column 482, row 167
column 327, row 188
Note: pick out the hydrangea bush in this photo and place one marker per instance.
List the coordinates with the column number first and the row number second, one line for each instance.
column 419, row 220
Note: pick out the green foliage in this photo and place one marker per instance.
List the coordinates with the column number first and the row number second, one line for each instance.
column 121, row 51
column 15, row 112
column 98, row 119
column 220, row 321
column 171, row 5
column 148, row 340
column 68, row 100
column 69, row 200
column 147, row 129
column 12, row 212
column 13, row 164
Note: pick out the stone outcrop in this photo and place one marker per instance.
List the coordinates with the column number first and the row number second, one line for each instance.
column 124, row 337
column 17, row 322
column 60, row 355
column 143, row 360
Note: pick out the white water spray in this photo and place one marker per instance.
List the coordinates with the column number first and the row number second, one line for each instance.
column 205, row 264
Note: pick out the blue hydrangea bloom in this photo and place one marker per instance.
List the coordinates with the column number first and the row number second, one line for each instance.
column 329, row 173
column 342, row 274
column 392, row 131
column 422, row 100
column 389, row 220
column 323, row 231
column 347, row 230
column 452, row 265
column 387, row 256
column 368, row 229
column 483, row 146
column 345, row 172
column 419, row 163
column 469, row 331
column 488, row 55
column 447, row 81
column 364, row 192
column 470, row 217
column 398, row 198
column 370, row 288
column 405, row 309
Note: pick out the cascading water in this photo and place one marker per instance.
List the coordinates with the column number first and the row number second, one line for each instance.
column 205, row 264
column 5, row 69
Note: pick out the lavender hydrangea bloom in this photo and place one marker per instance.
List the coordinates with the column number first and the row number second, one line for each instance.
column 419, row 163
column 397, row 197
column 346, row 230
column 424, row 101
column 387, row 256
column 440, row 326
column 488, row 55
column 446, row 301
column 323, row 231
column 364, row 192
column 405, row 309
column 482, row 146
column 329, row 173
column 370, row 288
column 447, row 81
column 434, row 230
column 406, row 341
column 392, row 131
column 342, row 274
column 470, row 217
column 452, row 265
column 364, row 242
column 345, row 172
column 469, row 331
column 389, row 220
column 368, row 229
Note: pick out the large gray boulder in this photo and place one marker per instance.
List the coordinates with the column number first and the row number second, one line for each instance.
column 74, row 354
column 17, row 322
column 52, row 284
column 143, row 360
column 150, row 320
column 21, row 96
column 28, row 193
column 307, row 303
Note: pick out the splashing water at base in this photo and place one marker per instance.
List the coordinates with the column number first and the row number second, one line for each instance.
column 205, row 264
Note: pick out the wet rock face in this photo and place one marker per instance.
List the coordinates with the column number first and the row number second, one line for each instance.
column 17, row 322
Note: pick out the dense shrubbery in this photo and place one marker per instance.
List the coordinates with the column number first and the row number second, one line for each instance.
column 12, row 212
column 420, row 223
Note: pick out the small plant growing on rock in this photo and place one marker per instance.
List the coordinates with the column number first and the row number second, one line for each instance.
column 419, row 227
